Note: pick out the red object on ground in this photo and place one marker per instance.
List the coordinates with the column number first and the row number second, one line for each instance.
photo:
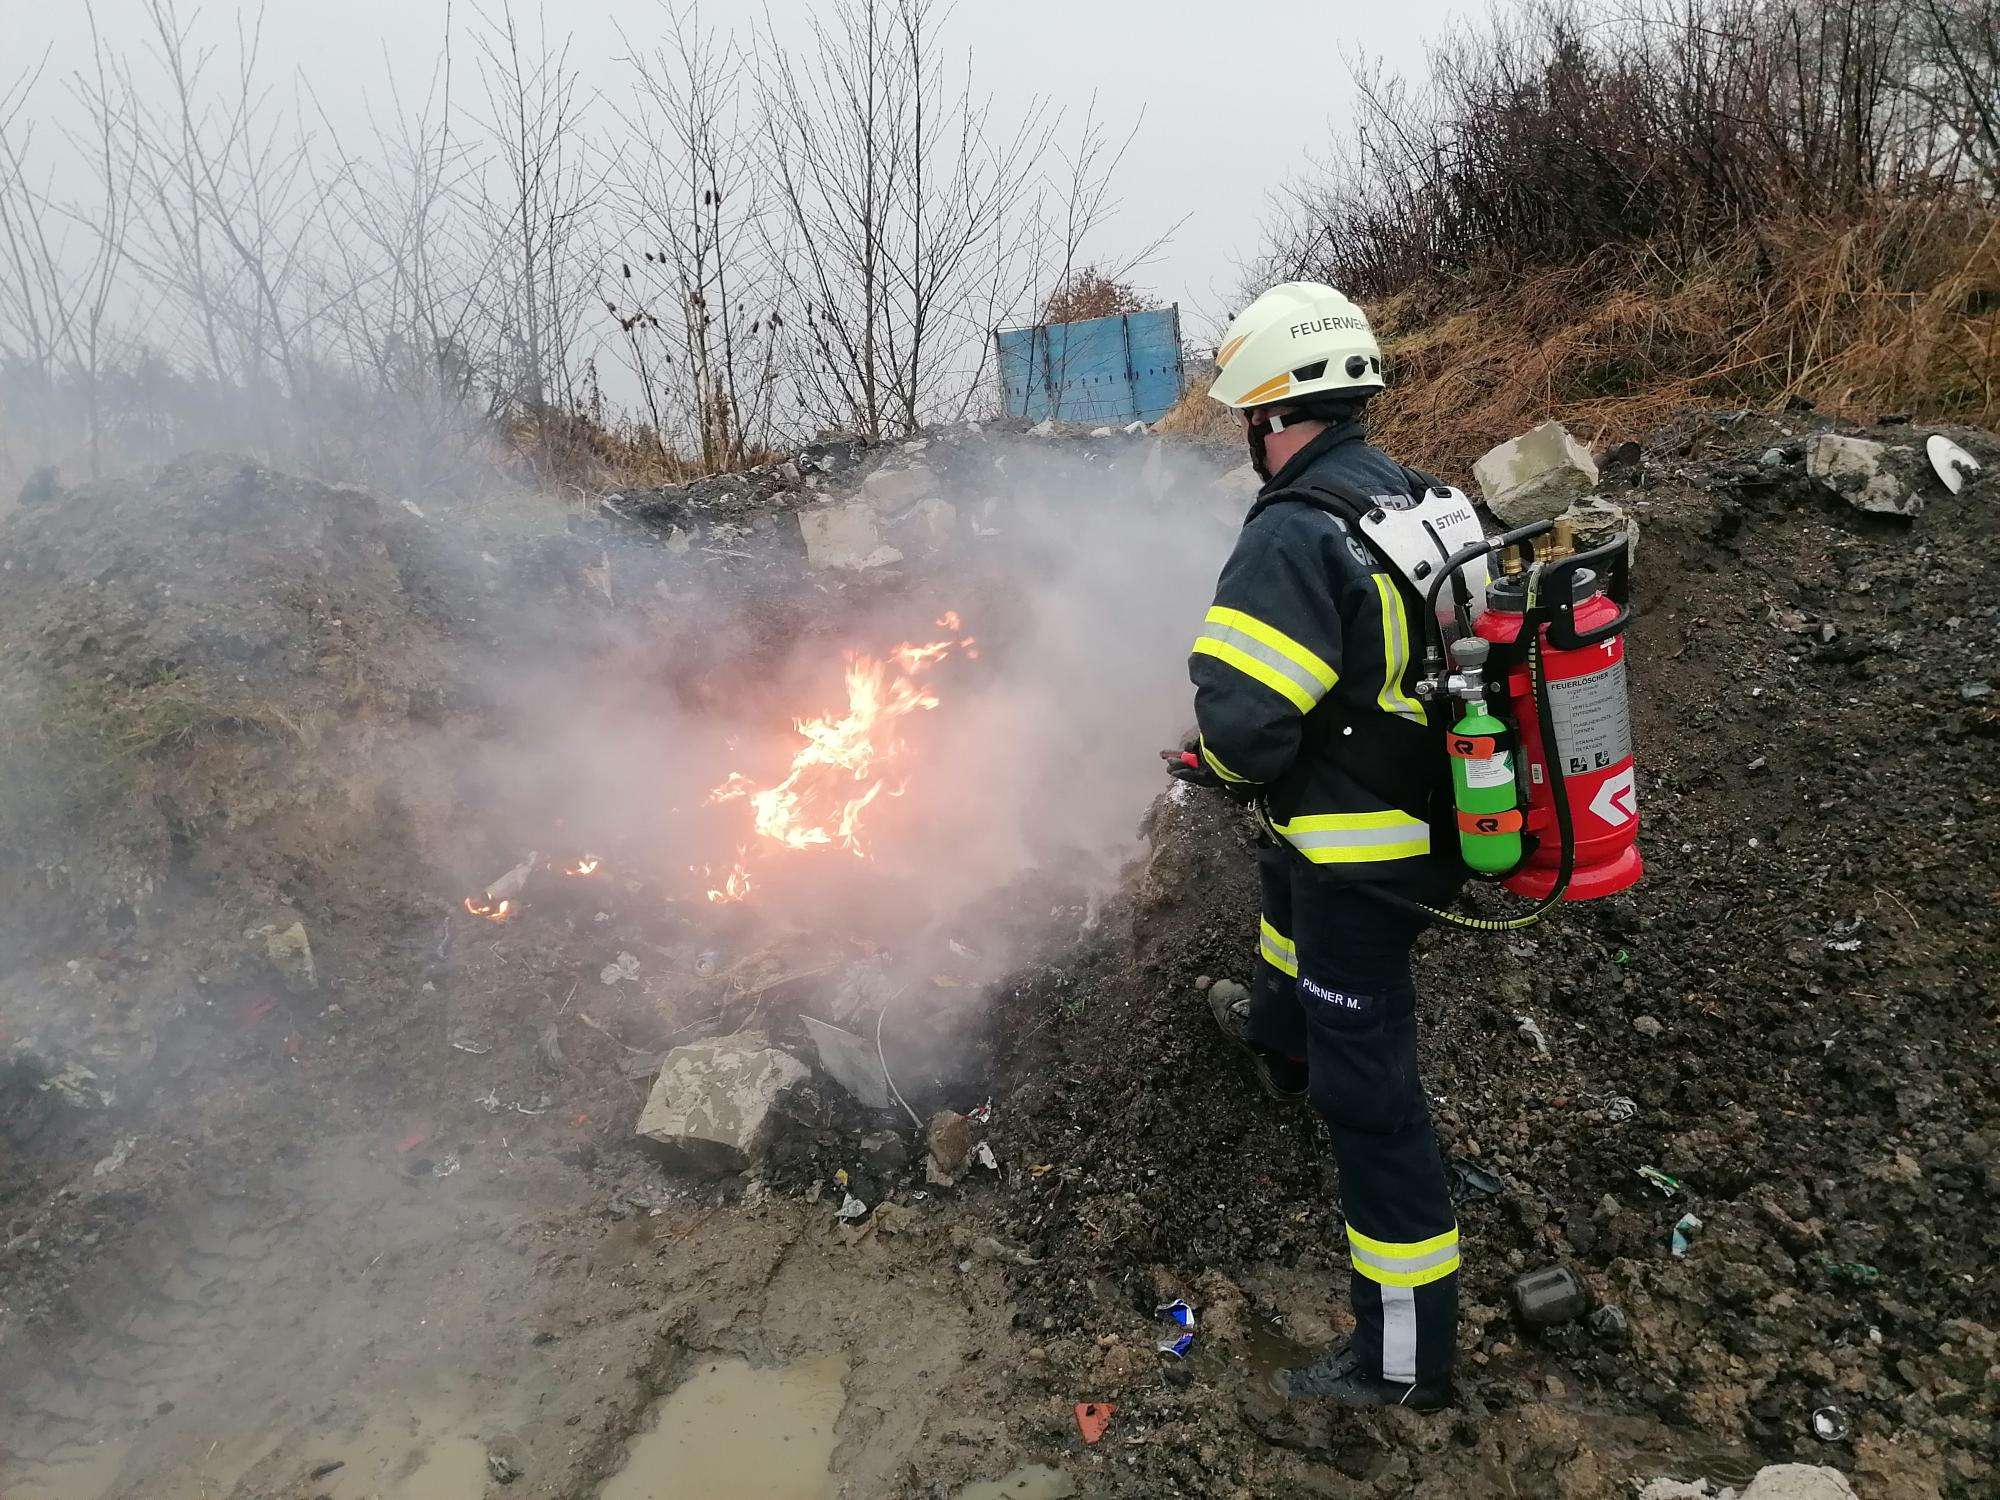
column 414, row 1139
column 1092, row 1417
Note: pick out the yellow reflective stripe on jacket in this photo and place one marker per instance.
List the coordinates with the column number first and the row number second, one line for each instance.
column 1276, row 949
column 1356, row 838
column 1395, row 653
column 1416, row 1263
column 1215, row 764
column 1266, row 655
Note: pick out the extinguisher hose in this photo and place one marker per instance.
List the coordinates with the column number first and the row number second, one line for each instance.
column 1558, row 791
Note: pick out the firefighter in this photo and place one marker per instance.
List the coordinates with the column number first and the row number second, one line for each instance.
column 1304, row 698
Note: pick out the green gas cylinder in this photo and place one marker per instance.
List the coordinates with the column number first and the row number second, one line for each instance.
column 1482, row 771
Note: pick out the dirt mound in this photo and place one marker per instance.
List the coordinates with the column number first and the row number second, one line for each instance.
column 1791, row 1016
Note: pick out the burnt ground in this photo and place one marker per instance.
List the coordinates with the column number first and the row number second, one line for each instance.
column 394, row 1217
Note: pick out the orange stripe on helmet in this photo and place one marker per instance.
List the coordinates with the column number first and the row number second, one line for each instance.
column 1277, row 385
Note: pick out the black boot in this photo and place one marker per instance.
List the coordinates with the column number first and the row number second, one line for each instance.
column 1280, row 1077
column 1338, row 1375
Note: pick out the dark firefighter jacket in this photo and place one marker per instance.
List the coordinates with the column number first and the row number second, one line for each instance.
column 1310, row 632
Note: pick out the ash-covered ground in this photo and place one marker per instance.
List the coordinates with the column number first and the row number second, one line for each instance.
column 383, row 1210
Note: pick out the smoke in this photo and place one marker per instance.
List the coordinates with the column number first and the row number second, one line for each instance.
column 1077, row 582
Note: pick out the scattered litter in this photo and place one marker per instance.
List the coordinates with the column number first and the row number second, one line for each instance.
column 1684, row 1232
column 1549, row 1296
column 1610, row 1324
column 1829, row 1424
column 1621, row 1109
column 1972, row 692
column 465, row 1042
column 411, row 507
column 445, row 1165
column 982, row 1115
column 1953, row 464
column 541, row 1107
column 624, row 967
column 983, row 1154
column 1176, row 1312
column 1668, row 1186
column 1846, row 945
column 1532, row 1030
column 852, row 1208
column 489, row 1101
column 1470, row 1180
column 116, row 1159
column 503, row 1469
column 1852, row 1272
column 1092, row 1417
column 1177, row 1347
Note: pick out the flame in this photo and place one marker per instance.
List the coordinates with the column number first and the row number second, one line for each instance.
column 587, row 865
column 735, row 886
column 491, row 910
column 846, row 762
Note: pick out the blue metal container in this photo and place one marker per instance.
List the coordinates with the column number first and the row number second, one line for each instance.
column 1102, row 370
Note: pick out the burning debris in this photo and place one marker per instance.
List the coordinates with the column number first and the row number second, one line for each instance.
column 499, row 900
column 847, row 761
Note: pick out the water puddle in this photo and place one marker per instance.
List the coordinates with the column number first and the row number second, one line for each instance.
column 730, row 1432
column 1032, row 1482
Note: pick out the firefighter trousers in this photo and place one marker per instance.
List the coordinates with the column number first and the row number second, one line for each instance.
column 1334, row 988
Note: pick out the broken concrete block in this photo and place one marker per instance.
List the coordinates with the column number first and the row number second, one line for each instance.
column 1598, row 521
column 1536, row 476
column 844, row 536
column 290, row 953
column 850, row 1062
column 896, row 489
column 714, row 1105
column 932, row 524
column 1799, row 1482
column 1874, row 477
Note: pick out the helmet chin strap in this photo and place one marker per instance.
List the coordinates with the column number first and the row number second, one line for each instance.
column 1256, row 432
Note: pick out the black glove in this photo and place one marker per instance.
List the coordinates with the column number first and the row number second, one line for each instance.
column 1187, row 765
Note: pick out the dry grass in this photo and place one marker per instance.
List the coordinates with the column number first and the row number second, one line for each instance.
column 1895, row 311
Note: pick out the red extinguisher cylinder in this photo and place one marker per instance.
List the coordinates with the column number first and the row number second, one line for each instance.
column 1592, row 718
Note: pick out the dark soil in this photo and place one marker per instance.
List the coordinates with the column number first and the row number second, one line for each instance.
column 1797, row 1000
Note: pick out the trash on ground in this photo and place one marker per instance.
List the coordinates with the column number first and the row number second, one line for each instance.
column 983, row 1154
column 1177, row 1347
column 1684, row 1232
column 1470, row 1180
column 1853, row 1272
column 1092, row 1417
column 624, row 967
column 852, row 1208
column 1177, row 1312
column 1549, row 1296
column 465, row 1041
column 1668, row 1186
column 1620, row 1109
column 1530, row 1028
column 1829, row 1424
column 445, row 1165
column 1610, row 1323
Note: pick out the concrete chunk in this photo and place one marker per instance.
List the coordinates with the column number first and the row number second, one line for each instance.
column 1536, row 476
column 844, row 536
column 714, row 1105
column 849, row 1061
column 1799, row 1482
column 1875, row 477
column 894, row 489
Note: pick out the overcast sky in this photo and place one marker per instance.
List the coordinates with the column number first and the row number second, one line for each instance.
column 1233, row 95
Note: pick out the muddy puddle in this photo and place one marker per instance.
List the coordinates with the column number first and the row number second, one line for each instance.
column 1034, row 1482
column 732, row 1432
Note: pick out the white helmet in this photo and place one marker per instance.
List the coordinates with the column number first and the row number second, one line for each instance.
column 1301, row 338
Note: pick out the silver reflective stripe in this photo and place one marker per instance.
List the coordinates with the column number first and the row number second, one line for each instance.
column 1359, row 838
column 1399, row 1334
column 1403, row 1263
column 1277, row 661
